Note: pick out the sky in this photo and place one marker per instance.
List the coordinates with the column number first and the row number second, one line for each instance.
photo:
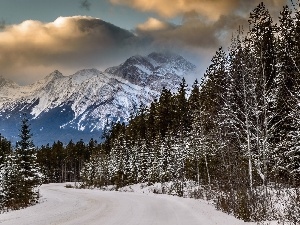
column 40, row 36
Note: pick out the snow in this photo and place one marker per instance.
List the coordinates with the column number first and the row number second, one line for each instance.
column 92, row 94
column 60, row 205
column 144, row 69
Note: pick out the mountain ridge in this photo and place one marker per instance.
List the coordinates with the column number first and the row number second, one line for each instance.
column 88, row 100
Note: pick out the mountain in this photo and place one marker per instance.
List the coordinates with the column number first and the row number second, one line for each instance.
column 155, row 70
column 80, row 106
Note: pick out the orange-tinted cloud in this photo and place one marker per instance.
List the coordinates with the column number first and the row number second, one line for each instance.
column 211, row 9
column 206, row 24
column 171, row 8
column 153, row 24
column 68, row 42
column 32, row 49
column 193, row 32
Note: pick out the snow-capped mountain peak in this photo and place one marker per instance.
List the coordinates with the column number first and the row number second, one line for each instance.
column 62, row 107
column 140, row 69
column 4, row 82
column 54, row 75
column 87, row 72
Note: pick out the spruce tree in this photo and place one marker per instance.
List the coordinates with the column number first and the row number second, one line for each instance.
column 261, row 44
column 5, row 148
column 182, row 116
column 213, row 90
column 287, row 98
column 164, row 111
column 10, row 184
column 238, row 112
column 30, row 176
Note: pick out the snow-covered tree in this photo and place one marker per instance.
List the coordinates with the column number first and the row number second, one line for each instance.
column 260, row 42
column 287, row 98
column 95, row 172
column 10, row 185
column 30, row 175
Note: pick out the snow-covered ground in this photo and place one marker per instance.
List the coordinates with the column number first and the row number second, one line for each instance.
column 60, row 205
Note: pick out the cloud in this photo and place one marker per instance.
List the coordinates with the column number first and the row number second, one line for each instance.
column 193, row 32
column 211, row 9
column 198, row 29
column 199, row 35
column 85, row 4
column 153, row 24
column 172, row 8
column 195, row 39
column 32, row 49
column 68, row 42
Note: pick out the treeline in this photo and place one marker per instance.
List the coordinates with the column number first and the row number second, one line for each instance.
column 63, row 163
column 237, row 132
column 25, row 167
column 20, row 175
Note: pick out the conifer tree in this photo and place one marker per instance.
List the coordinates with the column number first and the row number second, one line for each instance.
column 95, row 172
column 260, row 43
column 238, row 112
column 287, row 103
column 213, row 90
column 164, row 111
column 5, row 148
column 10, row 184
column 182, row 117
column 30, row 176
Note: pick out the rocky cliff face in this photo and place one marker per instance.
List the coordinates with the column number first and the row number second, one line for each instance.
column 81, row 105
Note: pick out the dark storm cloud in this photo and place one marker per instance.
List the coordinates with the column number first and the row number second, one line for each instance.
column 85, row 4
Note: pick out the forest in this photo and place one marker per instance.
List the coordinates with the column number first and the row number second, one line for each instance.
column 235, row 134
column 20, row 174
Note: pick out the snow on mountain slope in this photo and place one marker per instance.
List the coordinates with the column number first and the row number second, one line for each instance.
column 90, row 99
column 144, row 70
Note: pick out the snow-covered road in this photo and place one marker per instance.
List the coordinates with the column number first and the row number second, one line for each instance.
column 87, row 207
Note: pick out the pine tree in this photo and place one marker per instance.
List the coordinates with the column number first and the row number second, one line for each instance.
column 287, row 103
column 152, row 121
column 167, row 158
column 30, row 176
column 80, row 156
column 212, row 92
column 95, row 172
column 47, row 163
column 196, row 135
column 143, row 161
column 155, row 170
column 238, row 112
column 10, row 184
column 5, row 148
column 212, row 95
column 164, row 111
column 260, row 42
column 182, row 116
column 289, row 161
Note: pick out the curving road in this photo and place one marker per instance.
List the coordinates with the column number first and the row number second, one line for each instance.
column 60, row 205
